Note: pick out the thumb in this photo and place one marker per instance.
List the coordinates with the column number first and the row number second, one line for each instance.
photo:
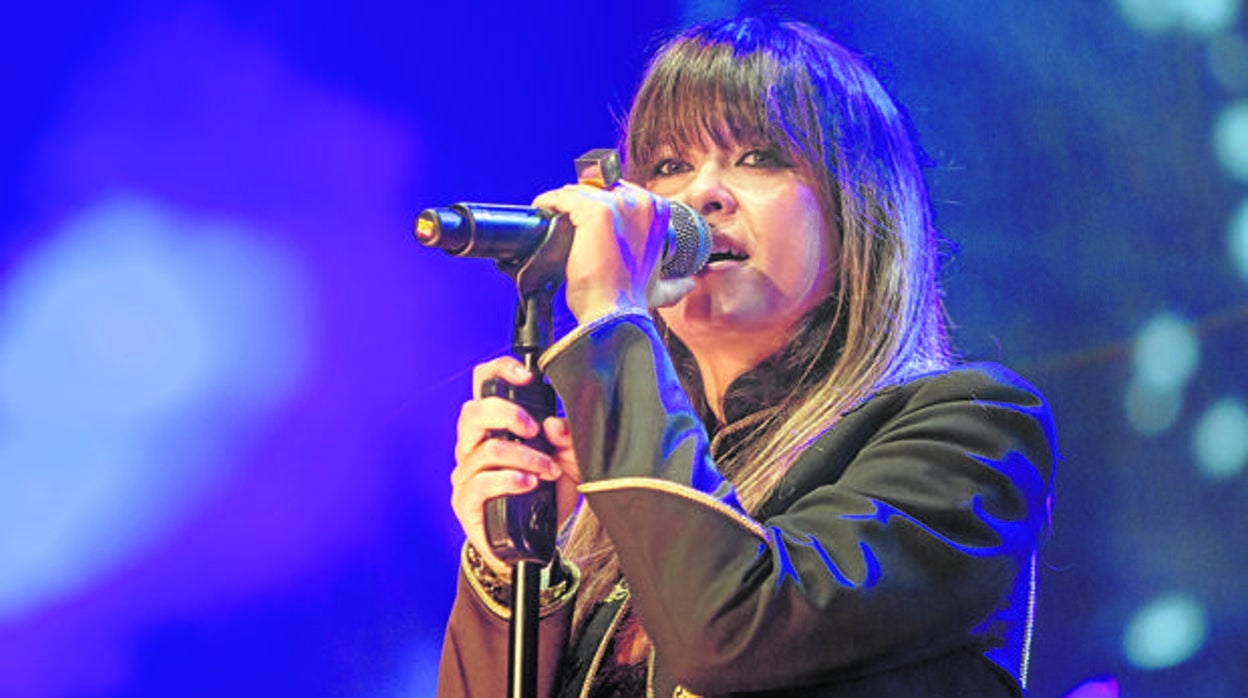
column 557, row 432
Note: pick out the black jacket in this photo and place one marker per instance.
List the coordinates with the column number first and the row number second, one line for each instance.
column 895, row 558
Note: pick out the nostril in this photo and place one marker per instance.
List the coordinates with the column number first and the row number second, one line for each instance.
column 711, row 207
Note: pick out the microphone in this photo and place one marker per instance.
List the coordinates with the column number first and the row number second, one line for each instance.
column 510, row 234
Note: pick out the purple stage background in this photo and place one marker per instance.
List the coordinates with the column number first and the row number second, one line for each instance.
column 229, row 376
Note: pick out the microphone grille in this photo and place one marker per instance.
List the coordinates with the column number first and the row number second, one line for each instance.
column 688, row 243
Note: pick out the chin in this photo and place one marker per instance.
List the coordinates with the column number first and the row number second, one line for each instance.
column 702, row 316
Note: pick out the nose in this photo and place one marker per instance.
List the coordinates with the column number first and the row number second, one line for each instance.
column 708, row 192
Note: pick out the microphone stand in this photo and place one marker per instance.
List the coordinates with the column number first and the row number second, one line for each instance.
column 522, row 529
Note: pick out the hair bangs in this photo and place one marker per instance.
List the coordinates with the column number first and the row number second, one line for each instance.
column 698, row 94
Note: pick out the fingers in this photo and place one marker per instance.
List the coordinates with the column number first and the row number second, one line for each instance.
column 471, row 495
column 660, row 209
column 586, row 204
column 484, row 419
column 507, row 368
column 468, row 502
column 559, row 436
column 501, row 454
column 624, row 203
column 489, row 466
column 625, row 207
column 494, row 468
column 616, row 249
column 557, row 432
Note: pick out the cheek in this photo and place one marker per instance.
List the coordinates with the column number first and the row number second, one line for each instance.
column 826, row 259
column 805, row 258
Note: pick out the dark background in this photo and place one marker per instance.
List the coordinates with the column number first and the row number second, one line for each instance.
column 229, row 377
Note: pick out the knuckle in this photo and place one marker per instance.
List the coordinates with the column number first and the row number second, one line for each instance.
column 539, row 460
column 524, row 422
column 497, row 449
column 646, row 203
column 604, row 216
column 457, row 501
column 490, row 369
column 501, row 364
column 468, row 412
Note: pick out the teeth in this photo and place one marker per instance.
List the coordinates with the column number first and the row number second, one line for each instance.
column 722, row 245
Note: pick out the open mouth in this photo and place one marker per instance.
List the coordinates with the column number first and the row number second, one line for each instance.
column 726, row 257
column 725, row 249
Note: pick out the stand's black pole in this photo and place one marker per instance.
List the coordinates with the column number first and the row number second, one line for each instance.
column 525, row 617
column 522, row 528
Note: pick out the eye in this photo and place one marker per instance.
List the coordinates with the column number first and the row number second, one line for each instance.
column 764, row 158
column 670, row 166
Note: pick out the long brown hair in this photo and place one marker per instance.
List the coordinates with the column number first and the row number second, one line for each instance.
column 761, row 79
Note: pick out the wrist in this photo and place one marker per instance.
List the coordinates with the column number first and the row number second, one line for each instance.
column 559, row 583
column 587, row 307
column 488, row 563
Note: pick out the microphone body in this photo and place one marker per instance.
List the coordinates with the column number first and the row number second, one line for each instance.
column 510, row 234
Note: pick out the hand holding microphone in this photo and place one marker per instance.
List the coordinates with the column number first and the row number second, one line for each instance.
column 630, row 247
column 621, row 240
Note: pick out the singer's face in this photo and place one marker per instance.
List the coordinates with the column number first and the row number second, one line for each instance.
column 773, row 255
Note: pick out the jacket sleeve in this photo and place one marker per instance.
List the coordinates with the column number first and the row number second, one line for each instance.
column 475, row 647
column 906, row 550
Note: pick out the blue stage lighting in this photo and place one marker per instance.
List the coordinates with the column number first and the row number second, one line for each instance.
column 133, row 346
column 1221, row 439
column 1166, row 632
column 1230, row 138
column 1166, row 353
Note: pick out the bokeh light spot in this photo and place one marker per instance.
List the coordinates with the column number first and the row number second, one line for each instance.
column 1207, row 17
column 1152, row 410
column 1166, row 353
column 1230, row 138
column 1198, row 17
column 1221, row 439
column 1228, row 62
column 134, row 346
column 1238, row 240
column 1151, row 16
column 1166, row 632
column 106, row 329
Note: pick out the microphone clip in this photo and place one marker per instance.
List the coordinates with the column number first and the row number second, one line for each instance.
column 543, row 270
column 539, row 273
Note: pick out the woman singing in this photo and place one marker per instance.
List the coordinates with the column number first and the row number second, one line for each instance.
column 787, row 486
